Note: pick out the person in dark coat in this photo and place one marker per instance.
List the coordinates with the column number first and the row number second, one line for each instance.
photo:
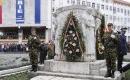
column 122, row 50
column 43, row 52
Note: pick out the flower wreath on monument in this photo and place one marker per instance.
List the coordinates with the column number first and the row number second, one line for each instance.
column 71, row 42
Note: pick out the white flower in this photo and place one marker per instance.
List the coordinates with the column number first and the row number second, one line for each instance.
column 35, row 37
column 65, row 40
column 65, row 50
column 77, row 50
column 70, row 42
column 66, row 45
column 70, row 31
column 74, row 44
column 73, row 35
column 75, row 38
column 70, row 52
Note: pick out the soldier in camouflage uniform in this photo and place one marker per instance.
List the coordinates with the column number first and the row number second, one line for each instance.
column 110, row 42
column 51, row 50
column 33, row 45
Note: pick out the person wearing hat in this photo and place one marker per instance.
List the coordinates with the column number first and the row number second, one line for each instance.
column 122, row 49
column 33, row 46
column 110, row 41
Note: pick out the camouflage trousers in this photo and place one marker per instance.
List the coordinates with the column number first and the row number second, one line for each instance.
column 110, row 57
column 33, row 58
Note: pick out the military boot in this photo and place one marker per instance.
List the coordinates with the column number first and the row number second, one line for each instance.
column 112, row 75
column 108, row 74
column 32, row 69
column 35, row 68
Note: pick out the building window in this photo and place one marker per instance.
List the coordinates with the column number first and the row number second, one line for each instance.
column 121, row 10
column 93, row 5
column 110, row 8
column 110, row 17
column 129, row 31
column 128, row 37
column 88, row 4
column 78, row 2
column 102, row 6
column 121, row 19
column 128, row 19
column 73, row 1
column 128, row 13
column 114, row 18
column 118, row 9
column 98, row 6
column 106, row 7
column 114, row 9
column 106, row 1
column 106, row 17
column 125, row 12
column 83, row 2
column 68, row 1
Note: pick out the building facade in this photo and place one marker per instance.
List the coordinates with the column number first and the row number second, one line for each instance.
column 19, row 16
column 115, row 11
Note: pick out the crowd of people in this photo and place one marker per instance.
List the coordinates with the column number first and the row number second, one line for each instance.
column 13, row 47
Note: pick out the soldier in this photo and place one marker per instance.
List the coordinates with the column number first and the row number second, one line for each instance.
column 51, row 50
column 122, row 48
column 33, row 45
column 110, row 41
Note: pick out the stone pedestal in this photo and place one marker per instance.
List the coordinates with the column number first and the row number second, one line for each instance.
column 84, row 68
column 67, row 67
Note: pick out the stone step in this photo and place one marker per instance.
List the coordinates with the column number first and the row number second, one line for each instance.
column 14, row 70
column 54, row 78
column 103, row 71
column 8, row 71
column 77, row 76
column 41, row 67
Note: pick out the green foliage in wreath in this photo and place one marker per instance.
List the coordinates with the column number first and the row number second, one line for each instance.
column 99, row 36
column 75, row 56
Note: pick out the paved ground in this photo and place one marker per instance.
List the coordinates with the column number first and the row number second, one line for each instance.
column 127, row 56
column 13, row 59
column 54, row 78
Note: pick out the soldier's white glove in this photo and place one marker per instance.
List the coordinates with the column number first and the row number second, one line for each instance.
column 113, row 36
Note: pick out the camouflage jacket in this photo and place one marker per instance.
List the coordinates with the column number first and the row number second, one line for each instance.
column 110, row 42
column 33, row 42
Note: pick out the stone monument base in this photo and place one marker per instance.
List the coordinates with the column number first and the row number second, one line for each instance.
column 84, row 68
column 78, row 70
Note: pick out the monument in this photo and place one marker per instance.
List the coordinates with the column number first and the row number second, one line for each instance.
column 75, row 36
